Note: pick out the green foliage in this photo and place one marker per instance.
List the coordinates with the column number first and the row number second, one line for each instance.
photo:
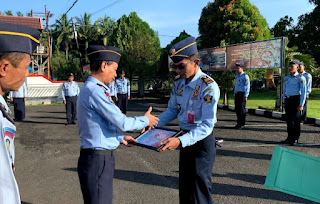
column 182, row 35
column 61, row 67
column 140, row 46
column 103, row 29
column 8, row 13
column 19, row 13
column 231, row 22
column 85, row 31
column 284, row 27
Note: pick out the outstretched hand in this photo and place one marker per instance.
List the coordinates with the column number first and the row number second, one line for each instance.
column 170, row 143
column 153, row 120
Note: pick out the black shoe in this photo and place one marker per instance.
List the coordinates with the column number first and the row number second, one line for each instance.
column 295, row 143
column 73, row 123
column 286, row 141
column 239, row 127
column 67, row 123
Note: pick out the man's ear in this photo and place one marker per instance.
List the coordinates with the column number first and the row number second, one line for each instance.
column 103, row 66
column 3, row 66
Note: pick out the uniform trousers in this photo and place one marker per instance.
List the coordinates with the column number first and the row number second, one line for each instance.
column 19, row 108
column 71, row 108
column 123, row 102
column 195, row 171
column 293, row 117
column 240, row 107
column 95, row 171
column 304, row 112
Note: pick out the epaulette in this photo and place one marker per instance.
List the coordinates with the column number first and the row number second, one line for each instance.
column 177, row 77
column 5, row 113
column 102, row 86
column 207, row 80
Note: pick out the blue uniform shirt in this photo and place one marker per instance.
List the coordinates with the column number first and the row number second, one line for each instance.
column 113, row 90
column 100, row 119
column 21, row 93
column 308, row 78
column 123, row 85
column 70, row 89
column 198, row 96
column 242, row 84
column 293, row 86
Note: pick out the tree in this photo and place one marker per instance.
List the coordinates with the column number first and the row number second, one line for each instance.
column 226, row 22
column 19, row 13
column 307, row 35
column 64, row 33
column 8, row 13
column 140, row 47
column 231, row 22
column 104, row 28
column 284, row 27
column 86, row 31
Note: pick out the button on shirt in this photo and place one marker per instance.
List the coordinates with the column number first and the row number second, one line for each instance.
column 123, row 86
column 21, row 93
column 242, row 84
column 293, row 86
column 198, row 96
column 113, row 90
column 70, row 89
column 308, row 78
column 100, row 119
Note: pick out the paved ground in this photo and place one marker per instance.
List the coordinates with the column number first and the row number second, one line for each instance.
column 47, row 153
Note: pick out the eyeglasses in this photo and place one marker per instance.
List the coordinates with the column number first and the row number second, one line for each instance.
column 181, row 66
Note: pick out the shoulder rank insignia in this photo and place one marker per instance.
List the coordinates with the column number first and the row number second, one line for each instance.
column 5, row 113
column 207, row 80
column 177, row 77
column 208, row 99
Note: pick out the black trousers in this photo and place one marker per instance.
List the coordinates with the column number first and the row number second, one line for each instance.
column 19, row 108
column 95, row 173
column 195, row 171
column 240, row 107
column 123, row 102
column 304, row 112
column 293, row 117
column 71, row 108
column 114, row 99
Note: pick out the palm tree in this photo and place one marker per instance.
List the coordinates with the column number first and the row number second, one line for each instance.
column 64, row 31
column 104, row 28
column 85, row 30
column 8, row 13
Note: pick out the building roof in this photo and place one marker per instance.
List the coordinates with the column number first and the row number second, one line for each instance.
column 22, row 20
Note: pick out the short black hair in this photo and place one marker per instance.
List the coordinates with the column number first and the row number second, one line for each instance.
column 95, row 65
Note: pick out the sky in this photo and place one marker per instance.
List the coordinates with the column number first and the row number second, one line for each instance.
column 167, row 17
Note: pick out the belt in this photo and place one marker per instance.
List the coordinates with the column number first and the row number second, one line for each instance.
column 239, row 92
column 123, row 93
column 71, row 96
column 296, row 96
column 97, row 151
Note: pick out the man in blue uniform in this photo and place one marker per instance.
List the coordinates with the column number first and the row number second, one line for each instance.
column 193, row 101
column 294, row 95
column 17, row 43
column 18, row 98
column 99, row 122
column 241, row 93
column 123, row 91
column 308, row 78
column 70, row 92
column 113, row 91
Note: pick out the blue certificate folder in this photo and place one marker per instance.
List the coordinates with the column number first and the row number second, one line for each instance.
column 294, row 173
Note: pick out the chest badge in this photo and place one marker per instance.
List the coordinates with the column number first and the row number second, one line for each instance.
column 180, row 88
column 196, row 93
column 208, row 99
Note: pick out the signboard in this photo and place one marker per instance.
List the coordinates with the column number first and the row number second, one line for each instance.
column 267, row 54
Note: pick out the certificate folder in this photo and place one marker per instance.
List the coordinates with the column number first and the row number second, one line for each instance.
column 152, row 138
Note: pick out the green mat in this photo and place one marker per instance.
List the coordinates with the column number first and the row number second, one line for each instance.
column 294, row 173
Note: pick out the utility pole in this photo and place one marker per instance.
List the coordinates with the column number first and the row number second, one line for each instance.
column 46, row 16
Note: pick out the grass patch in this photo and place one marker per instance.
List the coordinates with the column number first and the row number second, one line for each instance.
column 267, row 100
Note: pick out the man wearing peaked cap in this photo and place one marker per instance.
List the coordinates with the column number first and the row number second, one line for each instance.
column 241, row 93
column 70, row 92
column 99, row 121
column 294, row 96
column 193, row 101
column 17, row 43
